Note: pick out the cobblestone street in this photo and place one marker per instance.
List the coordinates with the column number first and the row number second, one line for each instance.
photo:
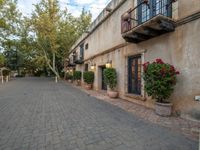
column 38, row 114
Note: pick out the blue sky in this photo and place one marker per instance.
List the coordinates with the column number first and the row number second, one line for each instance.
column 74, row 6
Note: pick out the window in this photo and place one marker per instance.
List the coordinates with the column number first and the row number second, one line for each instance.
column 86, row 46
column 154, row 7
column 82, row 51
column 86, row 67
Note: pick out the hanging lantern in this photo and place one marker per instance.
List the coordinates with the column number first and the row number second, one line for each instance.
column 109, row 64
column 92, row 67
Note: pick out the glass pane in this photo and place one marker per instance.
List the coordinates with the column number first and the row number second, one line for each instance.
column 145, row 13
column 161, row 7
column 135, row 80
column 133, row 76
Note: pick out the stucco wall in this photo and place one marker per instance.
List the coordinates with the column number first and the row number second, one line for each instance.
column 187, row 7
column 108, row 34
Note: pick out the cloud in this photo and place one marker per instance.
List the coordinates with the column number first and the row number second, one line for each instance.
column 74, row 6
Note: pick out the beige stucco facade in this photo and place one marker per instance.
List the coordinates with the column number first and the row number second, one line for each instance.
column 180, row 48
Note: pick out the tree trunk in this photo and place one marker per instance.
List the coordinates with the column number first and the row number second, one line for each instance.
column 53, row 68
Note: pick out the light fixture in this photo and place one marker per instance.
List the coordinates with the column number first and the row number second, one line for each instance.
column 109, row 64
column 92, row 67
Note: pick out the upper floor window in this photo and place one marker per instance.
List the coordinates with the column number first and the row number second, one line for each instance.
column 153, row 8
column 82, row 51
column 86, row 46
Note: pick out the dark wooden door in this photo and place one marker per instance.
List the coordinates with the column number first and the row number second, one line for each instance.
column 134, row 75
column 104, row 86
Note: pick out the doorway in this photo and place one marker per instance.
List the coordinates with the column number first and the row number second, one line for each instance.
column 103, row 85
column 134, row 74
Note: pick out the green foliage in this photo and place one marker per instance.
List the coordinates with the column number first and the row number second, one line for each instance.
column 110, row 76
column 88, row 77
column 69, row 76
column 41, row 40
column 6, row 72
column 9, row 20
column 2, row 60
column 160, row 79
column 77, row 75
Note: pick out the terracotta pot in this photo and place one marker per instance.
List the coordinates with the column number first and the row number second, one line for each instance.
column 163, row 109
column 88, row 86
column 112, row 94
column 70, row 81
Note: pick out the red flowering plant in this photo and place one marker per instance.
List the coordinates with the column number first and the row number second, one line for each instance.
column 160, row 79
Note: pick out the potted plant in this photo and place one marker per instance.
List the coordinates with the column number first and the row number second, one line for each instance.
column 88, row 77
column 160, row 79
column 110, row 76
column 77, row 77
column 69, row 78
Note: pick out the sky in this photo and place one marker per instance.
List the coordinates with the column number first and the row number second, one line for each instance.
column 74, row 6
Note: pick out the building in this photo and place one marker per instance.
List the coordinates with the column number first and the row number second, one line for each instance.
column 128, row 33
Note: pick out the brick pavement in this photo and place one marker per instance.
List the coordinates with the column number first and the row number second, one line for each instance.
column 187, row 127
column 37, row 114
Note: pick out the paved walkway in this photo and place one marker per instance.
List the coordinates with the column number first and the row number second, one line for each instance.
column 37, row 114
column 190, row 128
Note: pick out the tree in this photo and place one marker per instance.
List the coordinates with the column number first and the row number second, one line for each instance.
column 56, row 31
column 2, row 60
column 45, row 24
column 42, row 40
column 10, row 18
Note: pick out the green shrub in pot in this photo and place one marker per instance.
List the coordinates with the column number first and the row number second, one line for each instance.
column 110, row 76
column 77, row 77
column 88, row 77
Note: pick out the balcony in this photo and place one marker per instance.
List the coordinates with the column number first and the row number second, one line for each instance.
column 78, row 59
column 70, row 62
column 149, row 19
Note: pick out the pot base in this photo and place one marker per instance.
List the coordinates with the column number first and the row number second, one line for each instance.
column 88, row 86
column 163, row 109
column 112, row 94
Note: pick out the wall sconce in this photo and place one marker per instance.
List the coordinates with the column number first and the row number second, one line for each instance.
column 109, row 64
column 92, row 67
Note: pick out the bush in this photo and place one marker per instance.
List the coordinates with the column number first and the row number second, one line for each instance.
column 110, row 76
column 77, row 75
column 160, row 79
column 69, row 76
column 88, row 77
column 5, row 72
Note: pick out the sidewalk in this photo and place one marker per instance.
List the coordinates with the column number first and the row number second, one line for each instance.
column 189, row 128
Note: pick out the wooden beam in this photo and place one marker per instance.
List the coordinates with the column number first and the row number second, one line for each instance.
column 151, row 32
column 167, row 25
column 140, row 36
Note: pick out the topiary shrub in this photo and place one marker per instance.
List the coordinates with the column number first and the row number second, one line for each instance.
column 110, row 76
column 160, row 79
column 69, row 76
column 77, row 75
column 88, row 77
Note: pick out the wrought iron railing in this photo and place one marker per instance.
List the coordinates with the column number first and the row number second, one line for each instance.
column 144, row 11
column 77, row 58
